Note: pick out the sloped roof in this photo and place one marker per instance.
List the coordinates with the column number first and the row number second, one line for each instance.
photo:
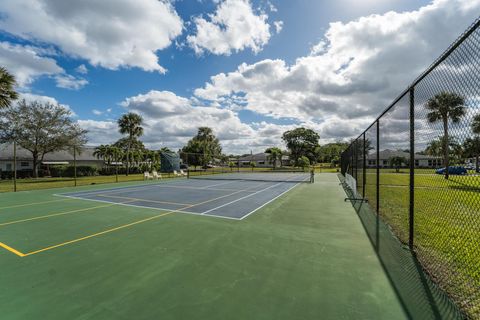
column 387, row 154
column 255, row 157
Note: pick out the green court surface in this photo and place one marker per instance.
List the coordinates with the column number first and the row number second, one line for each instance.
column 304, row 255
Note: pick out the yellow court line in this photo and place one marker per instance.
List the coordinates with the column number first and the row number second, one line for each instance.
column 18, row 253
column 142, row 200
column 34, row 203
column 98, row 234
column 131, row 224
column 56, row 214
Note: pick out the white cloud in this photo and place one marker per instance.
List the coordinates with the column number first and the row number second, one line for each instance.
column 278, row 26
column 100, row 132
column 81, row 69
column 67, row 81
column 97, row 112
column 233, row 27
column 107, row 33
column 25, row 63
column 351, row 75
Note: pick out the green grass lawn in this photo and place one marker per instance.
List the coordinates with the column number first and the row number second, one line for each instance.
column 447, row 227
column 303, row 256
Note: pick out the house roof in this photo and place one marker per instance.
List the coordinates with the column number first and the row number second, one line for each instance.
column 255, row 157
column 6, row 153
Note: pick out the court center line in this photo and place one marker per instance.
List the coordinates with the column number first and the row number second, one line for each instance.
column 129, row 224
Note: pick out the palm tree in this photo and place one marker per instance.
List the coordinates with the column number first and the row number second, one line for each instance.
column 444, row 107
column 476, row 124
column 130, row 124
column 474, row 143
column 7, row 93
column 397, row 162
column 101, row 152
column 275, row 156
column 114, row 155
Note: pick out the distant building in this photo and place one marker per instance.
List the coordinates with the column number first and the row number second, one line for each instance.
column 421, row 161
column 25, row 161
column 261, row 160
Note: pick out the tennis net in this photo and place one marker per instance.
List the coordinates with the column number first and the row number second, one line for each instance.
column 294, row 176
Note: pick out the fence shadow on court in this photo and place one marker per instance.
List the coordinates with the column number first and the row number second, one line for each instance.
column 418, row 295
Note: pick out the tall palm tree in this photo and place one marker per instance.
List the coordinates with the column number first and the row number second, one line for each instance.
column 101, row 152
column 7, row 93
column 114, row 154
column 274, row 156
column 476, row 124
column 131, row 125
column 475, row 141
column 445, row 107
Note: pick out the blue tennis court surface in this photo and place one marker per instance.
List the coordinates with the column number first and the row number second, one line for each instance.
column 232, row 199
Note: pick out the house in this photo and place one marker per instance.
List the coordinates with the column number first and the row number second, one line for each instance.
column 25, row 161
column 261, row 160
column 421, row 160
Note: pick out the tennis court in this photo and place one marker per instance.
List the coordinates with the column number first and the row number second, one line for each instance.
column 227, row 195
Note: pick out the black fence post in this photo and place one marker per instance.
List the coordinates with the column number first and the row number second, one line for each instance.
column 15, row 165
column 412, row 170
column 364, row 169
column 377, row 183
column 378, row 167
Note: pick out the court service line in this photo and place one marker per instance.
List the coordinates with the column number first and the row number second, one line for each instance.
column 126, row 225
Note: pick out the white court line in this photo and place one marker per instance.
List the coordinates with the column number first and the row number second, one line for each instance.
column 205, row 213
column 247, row 196
column 200, row 188
column 116, row 189
column 153, row 208
column 269, row 201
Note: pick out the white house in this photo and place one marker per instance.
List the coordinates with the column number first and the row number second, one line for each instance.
column 25, row 161
column 421, row 160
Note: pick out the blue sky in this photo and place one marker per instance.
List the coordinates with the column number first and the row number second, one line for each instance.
column 249, row 69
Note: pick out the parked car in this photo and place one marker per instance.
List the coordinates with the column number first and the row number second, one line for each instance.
column 470, row 166
column 453, row 170
column 183, row 166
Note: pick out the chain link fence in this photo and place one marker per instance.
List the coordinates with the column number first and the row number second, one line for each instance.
column 418, row 167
